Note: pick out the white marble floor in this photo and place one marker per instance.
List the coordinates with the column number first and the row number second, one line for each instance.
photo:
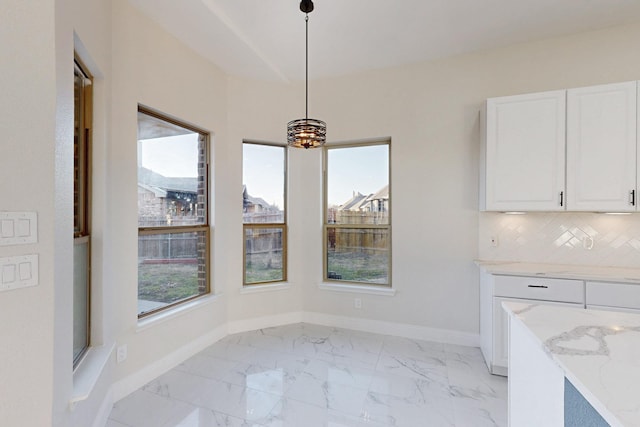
column 305, row 375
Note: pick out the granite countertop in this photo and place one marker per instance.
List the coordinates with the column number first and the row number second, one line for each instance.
column 562, row 271
column 599, row 352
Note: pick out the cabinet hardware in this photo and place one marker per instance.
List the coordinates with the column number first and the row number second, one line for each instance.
column 632, row 197
column 562, row 198
column 538, row 286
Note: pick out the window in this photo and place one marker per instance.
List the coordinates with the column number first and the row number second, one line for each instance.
column 173, row 220
column 357, row 230
column 264, row 213
column 81, row 208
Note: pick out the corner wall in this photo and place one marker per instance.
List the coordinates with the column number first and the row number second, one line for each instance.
column 430, row 111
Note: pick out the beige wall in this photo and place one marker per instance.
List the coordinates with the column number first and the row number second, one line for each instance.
column 27, row 107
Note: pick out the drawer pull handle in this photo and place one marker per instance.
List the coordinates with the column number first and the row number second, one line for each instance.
column 538, row 286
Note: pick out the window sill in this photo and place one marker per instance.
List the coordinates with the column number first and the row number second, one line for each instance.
column 358, row 289
column 87, row 373
column 174, row 312
column 253, row 289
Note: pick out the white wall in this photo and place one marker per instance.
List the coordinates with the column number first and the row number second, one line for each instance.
column 27, row 108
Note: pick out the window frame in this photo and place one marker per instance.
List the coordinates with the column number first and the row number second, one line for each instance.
column 82, row 171
column 282, row 225
column 325, row 217
column 179, row 229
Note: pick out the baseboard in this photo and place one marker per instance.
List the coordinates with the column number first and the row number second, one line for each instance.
column 104, row 411
column 391, row 328
column 253, row 324
column 129, row 384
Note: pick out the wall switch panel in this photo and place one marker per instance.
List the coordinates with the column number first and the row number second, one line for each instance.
column 18, row 228
column 18, row 272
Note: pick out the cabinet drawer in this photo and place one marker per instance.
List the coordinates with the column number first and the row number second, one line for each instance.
column 536, row 288
column 613, row 294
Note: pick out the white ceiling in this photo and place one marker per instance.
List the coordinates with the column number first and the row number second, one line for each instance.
column 265, row 38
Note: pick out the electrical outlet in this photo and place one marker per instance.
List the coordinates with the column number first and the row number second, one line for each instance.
column 494, row 241
column 121, row 353
column 587, row 242
column 357, row 303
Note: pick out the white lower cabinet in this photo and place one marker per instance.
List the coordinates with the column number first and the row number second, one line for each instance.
column 494, row 289
column 613, row 296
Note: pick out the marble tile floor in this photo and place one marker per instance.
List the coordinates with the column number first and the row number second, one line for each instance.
column 305, row 375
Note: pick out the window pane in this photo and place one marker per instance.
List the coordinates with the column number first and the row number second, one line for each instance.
column 171, row 174
column 171, row 267
column 80, row 297
column 80, row 160
column 81, row 208
column 358, row 185
column 263, row 175
column 358, row 254
column 263, row 254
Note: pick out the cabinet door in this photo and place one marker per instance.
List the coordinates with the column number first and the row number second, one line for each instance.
column 610, row 308
column 525, row 152
column 601, row 148
column 610, row 295
column 500, row 363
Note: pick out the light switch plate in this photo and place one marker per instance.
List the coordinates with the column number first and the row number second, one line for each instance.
column 18, row 272
column 18, row 228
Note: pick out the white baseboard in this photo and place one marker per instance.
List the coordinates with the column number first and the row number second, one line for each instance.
column 129, row 384
column 104, row 411
column 390, row 328
column 245, row 325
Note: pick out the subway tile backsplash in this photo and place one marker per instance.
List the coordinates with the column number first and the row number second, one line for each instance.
column 562, row 237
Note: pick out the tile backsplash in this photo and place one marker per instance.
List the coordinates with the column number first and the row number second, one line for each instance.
column 562, row 238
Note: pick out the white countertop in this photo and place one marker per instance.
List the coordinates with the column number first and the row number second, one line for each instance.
column 599, row 352
column 562, row 271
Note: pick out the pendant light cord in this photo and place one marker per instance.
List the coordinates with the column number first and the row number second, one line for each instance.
column 306, row 68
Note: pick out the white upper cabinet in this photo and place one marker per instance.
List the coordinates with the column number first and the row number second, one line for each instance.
column 601, row 148
column 524, row 153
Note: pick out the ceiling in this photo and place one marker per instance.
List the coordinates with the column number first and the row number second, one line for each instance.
column 264, row 39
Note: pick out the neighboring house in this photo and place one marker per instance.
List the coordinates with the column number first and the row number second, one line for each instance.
column 360, row 209
column 378, row 201
column 375, row 202
column 354, row 203
column 256, row 209
column 163, row 200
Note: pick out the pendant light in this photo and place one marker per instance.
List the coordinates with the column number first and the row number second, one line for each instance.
column 306, row 133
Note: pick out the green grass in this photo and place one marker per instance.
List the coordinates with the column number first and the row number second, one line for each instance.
column 263, row 267
column 167, row 283
column 359, row 266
